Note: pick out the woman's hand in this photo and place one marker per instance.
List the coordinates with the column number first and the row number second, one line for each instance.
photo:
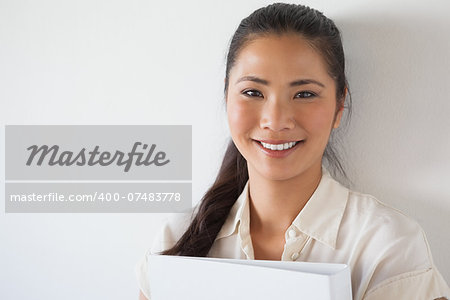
column 142, row 296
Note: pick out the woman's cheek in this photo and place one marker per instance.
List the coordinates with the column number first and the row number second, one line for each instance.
column 242, row 116
column 320, row 119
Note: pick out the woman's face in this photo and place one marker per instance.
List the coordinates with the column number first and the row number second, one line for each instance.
column 281, row 106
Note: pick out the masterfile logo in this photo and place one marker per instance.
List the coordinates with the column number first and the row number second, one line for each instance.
column 99, row 168
column 98, row 152
column 91, row 158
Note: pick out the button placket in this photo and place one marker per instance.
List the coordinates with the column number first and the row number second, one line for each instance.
column 292, row 233
column 246, row 241
column 244, row 233
column 247, row 248
column 295, row 242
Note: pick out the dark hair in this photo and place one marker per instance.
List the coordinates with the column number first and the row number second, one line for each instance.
column 277, row 18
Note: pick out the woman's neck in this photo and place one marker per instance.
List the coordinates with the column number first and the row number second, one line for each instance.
column 274, row 204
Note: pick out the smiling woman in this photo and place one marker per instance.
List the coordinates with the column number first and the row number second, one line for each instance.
column 273, row 199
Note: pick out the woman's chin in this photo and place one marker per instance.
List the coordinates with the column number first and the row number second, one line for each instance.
column 275, row 174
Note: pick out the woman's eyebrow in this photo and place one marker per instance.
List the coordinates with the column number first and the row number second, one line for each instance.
column 293, row 83
column 306, row 81
column 254, row 79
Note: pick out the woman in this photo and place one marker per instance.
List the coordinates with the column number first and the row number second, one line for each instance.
column 285, row 89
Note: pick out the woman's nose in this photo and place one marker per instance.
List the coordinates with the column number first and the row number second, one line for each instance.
column 277, row 115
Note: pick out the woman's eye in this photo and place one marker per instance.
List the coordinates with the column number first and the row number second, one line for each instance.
column 252, row 93
column 305, row 94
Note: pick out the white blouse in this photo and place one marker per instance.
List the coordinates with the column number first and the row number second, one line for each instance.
column 387, row 252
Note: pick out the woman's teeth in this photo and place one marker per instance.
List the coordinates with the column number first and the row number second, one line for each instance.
column 279, row 146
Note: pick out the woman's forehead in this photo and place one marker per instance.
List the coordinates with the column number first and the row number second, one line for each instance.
column 287, row 55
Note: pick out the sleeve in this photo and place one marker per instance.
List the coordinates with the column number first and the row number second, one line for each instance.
column 160, row 243
column 425, row 283
column 421, row 285
column 142, row 276
column 173, row 228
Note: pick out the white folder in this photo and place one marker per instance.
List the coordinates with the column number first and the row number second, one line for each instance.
column 182, row 277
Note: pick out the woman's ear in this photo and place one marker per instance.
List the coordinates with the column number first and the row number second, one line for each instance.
column 337, row 119
column 340, row 110
column 226, row 90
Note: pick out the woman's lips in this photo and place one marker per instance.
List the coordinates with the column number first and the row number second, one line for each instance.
column 277, row 153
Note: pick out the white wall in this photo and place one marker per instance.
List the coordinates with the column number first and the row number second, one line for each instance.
column 155, row 62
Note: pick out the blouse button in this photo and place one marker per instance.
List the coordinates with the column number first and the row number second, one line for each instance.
column 294, row 255
column 292, row 233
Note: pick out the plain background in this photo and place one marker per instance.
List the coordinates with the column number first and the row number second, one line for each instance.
column 158, row 62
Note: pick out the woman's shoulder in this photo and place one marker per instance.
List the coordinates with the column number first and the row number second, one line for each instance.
column 365, row 211
column 388, row 228
column 389, row 251
column 383, row 228
column 370, row 212
column 388, row 241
